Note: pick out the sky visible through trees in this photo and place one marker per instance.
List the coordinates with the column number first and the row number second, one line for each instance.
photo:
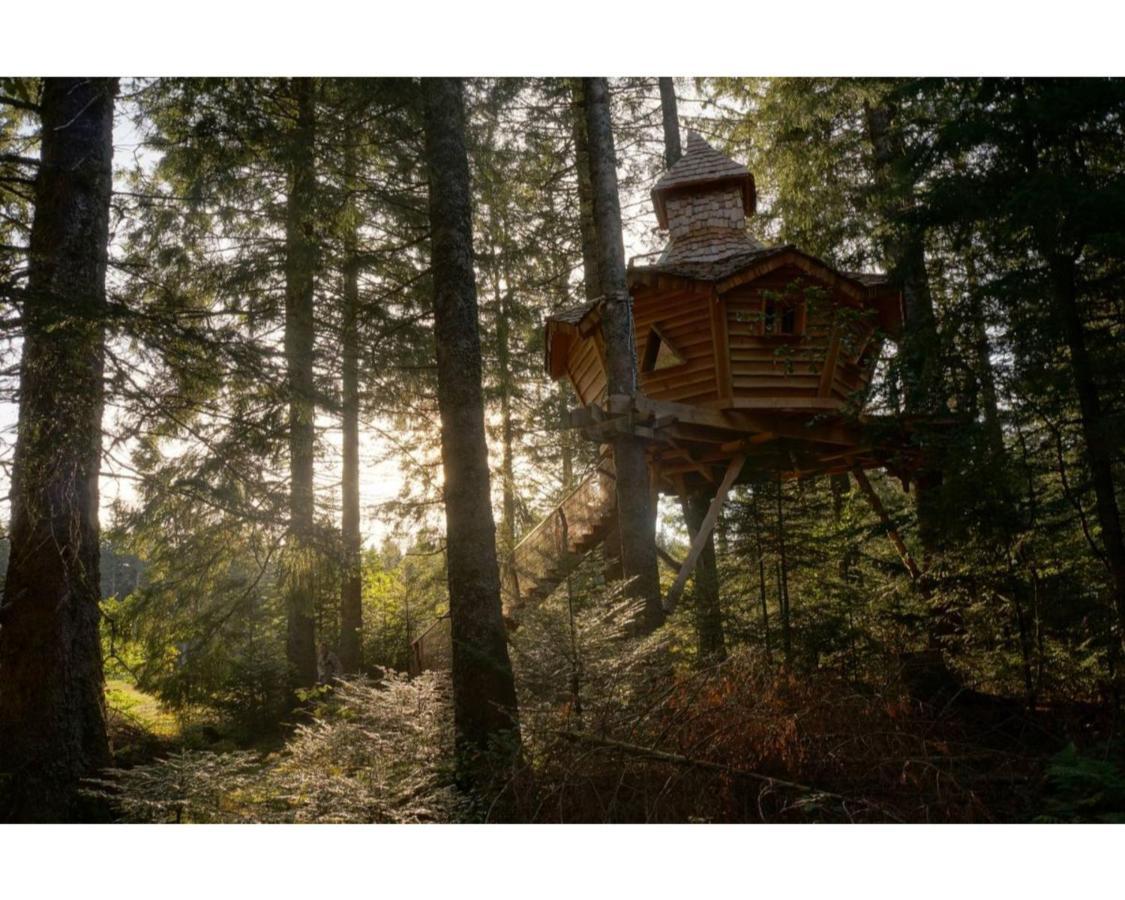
column 808, row 509
column 877, row 328
column 381, row 478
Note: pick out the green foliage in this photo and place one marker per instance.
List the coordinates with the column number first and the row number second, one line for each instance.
column 402, row 594
column 142, row 709
column 373, row 752
column 1082, row 788
column 999, row 184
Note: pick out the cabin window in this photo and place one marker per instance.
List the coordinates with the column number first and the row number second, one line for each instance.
column 782, row 317
column 660, row 353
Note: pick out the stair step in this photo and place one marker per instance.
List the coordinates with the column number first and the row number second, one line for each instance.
column 591, row 516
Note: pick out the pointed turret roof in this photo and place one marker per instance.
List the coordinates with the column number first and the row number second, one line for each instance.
column 700, row 167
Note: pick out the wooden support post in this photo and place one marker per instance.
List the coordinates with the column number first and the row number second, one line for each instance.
column 881, row 512
column 700, row 539
column 783, row 578
column 828, row 373
column 720, row 341
column 668, row 559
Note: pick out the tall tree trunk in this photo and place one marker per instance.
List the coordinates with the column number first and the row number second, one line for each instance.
column 563, row 391
column 52, row 707
column 982, row 349
column 300, row 264
column 592, row 281
column 1099, row 449
column 591, row 276
column 760, row 550
column 636, row 521
column 484, row 693
column 905, row 255
column 670, row 118
column 708, row 611
column 351, row 587
column 507, row 435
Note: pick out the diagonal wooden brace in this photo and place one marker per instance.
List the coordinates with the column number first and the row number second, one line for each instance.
column 888, row 526
column 699, row 540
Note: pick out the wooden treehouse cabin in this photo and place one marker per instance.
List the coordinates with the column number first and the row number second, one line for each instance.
column 751, row 359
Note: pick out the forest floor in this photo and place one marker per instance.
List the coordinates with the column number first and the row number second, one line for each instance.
column 140, row 726
column 143, row 729
column 732, row 744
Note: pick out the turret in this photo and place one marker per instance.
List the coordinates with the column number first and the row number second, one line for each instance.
column 703, row 201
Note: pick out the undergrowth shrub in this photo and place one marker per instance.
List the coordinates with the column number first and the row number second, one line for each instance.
column 372, row 752
column 620, row 729
column 1082, row 788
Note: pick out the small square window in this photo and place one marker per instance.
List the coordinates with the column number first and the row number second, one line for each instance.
column 782, row 317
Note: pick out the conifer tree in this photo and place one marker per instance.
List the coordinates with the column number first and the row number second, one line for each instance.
column 636, row 517
column 483, row 686
column 52, row 708
column 351, row 597
column 300, row 272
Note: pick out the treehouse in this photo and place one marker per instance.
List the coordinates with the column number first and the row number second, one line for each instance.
column 750, row 359
column 737, row 344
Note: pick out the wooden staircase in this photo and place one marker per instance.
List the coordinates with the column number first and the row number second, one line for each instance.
column 554, row 548
column 540, row 562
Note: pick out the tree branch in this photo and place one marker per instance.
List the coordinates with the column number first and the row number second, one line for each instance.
column 18, row 104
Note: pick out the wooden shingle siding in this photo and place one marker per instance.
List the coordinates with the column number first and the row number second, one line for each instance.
column 780, row 366
column 727, row 360
column 684, row 318
column 587, row 373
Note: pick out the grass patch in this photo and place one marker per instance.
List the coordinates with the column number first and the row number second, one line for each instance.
column 140, row 726
column 140, row 710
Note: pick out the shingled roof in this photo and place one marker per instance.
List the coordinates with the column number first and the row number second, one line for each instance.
column 701, row 165
column 721, row 269
column 710, row 270
column 574, row 314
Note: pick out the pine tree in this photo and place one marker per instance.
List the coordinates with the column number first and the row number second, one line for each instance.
column 300, row 271
column 351, row 597
column 52, row 713
column 483, row 686
column 636, row 517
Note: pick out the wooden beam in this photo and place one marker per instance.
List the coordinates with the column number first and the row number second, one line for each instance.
column 585, row 416
column 828, row 373
column 741, row 446
column 679, row 420
column 699, row 540
column 685, row 453
column 892, row 532
column 696, row 434
column 840, row 433
column 673, row 468
column 720, row 342
column 685, row 412
column 668, row 559
column 847, row 454
column 795, row 403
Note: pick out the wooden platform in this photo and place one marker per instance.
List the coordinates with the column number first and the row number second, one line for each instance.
column 690, row 446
